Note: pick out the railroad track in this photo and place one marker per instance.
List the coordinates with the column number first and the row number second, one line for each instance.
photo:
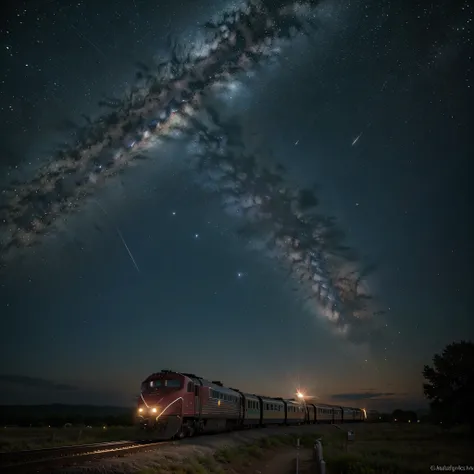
column 38, row 460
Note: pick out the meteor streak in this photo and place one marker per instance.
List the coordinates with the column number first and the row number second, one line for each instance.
column 357, row 138
column 120, row 235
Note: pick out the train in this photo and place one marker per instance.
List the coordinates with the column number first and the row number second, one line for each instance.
column 174, row 405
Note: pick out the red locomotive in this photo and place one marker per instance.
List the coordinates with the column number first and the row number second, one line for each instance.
column 174, row 404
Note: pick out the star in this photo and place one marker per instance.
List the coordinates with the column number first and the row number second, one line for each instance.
column 173, row 213
column 196, row 236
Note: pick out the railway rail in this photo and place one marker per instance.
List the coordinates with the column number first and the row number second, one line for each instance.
column 48, row 459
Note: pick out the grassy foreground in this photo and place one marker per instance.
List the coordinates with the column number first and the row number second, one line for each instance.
column 378, row 449
column 391, row 448
column 231, row 460
column 18, row 439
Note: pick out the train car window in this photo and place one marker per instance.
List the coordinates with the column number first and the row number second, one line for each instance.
column 196, row 391
column 190, row 387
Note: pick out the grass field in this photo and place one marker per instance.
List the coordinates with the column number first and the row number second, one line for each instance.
column 383, row 448
column 17, row 439
column 391, row 448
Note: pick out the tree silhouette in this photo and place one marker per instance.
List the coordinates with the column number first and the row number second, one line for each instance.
column 451, row 384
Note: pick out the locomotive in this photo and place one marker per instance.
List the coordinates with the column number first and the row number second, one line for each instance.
column 177, row 404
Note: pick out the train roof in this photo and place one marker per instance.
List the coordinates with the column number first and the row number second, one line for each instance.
column 249, row 395
column 273, row 399
column 214, row 384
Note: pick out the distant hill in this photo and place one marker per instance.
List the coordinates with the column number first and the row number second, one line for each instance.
column 58, row 414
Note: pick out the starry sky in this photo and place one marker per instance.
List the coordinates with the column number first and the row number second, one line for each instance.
column 369, row 108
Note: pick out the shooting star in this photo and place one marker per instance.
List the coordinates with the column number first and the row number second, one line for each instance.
column 296, row 143
column 119, row 234
column 357, row 138
column 128, row 250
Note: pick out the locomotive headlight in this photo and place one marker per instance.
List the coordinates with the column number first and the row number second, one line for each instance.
column 140, row 410
column 154, row 410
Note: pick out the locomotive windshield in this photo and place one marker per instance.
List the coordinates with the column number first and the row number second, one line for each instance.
column 157, row 384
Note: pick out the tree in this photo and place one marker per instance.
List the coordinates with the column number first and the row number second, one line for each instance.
column 451, row 384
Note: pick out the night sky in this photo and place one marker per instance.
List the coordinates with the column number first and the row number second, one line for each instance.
column 154, row 265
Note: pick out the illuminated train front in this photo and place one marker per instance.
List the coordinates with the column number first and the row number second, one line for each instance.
column 167, row 404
